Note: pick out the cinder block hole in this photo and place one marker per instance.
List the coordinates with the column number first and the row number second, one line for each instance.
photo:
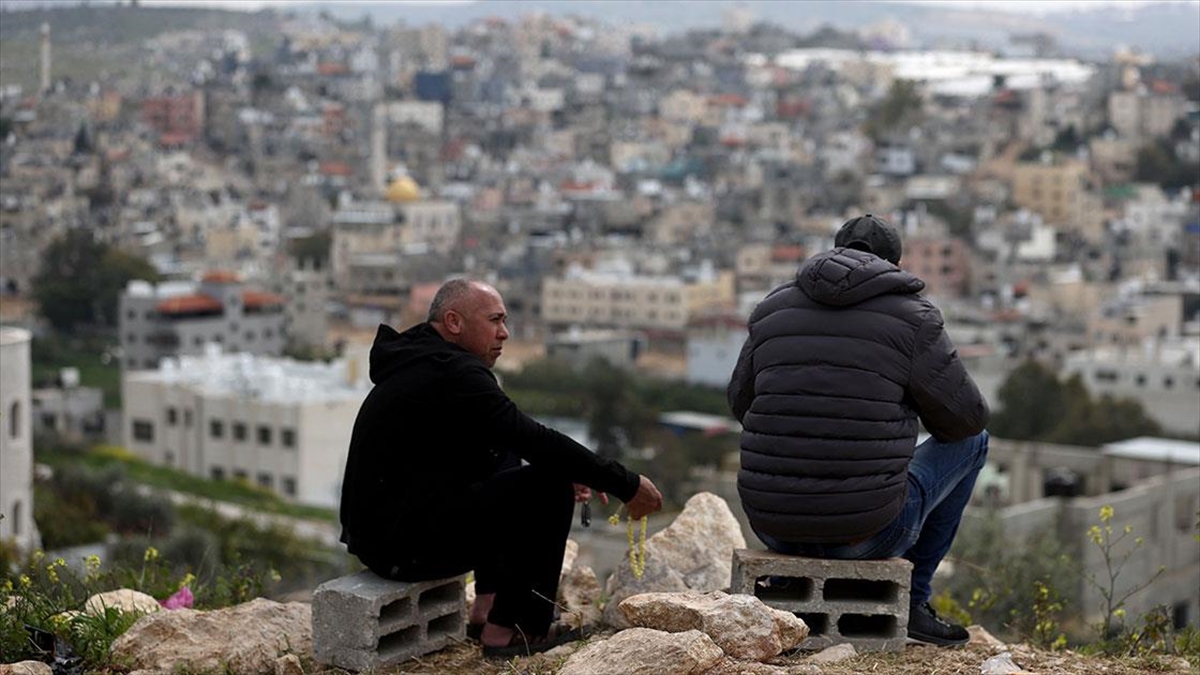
column 776, row 587
column 396, row 610
column 818, row 624
column 438, row 594
column 861, row 589
column 445, row 625
column 867, row 625
column 399, row 641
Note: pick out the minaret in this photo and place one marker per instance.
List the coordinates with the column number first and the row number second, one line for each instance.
column 379, row 147
column 45, row 64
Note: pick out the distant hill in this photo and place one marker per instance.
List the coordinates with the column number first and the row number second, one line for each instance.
column 1168, row 30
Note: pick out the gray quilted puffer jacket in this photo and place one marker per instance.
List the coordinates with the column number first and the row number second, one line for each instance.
column 829, row 385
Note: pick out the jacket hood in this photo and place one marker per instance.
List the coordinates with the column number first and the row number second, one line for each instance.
column 393, row 349
column 846, row 276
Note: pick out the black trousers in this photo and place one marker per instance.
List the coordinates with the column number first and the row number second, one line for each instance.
column 514, row 541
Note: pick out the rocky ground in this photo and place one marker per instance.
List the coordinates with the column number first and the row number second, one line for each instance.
column 465, row 659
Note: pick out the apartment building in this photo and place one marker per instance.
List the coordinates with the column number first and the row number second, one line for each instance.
column 281, row 424
column 1058, row 192
column 174, row 318
column 177, row 119
column 16, row 440
column 616, row 300
column 367, row 232
column 944, row 264
column 1145, row 112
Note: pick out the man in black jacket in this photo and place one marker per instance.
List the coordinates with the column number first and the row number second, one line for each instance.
column 434, row 482
column 839, row 366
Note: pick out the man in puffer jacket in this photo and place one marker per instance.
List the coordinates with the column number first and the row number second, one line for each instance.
column 839, row 366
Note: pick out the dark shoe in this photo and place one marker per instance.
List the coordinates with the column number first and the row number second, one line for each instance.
column 518, row 646
column 474, row 630
column 924, row 625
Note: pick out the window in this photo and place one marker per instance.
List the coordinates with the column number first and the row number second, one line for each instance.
column 217, row 473
column 239, row 431
column 143, row 430
column 216, row 428
column 14, row 420
column 264, row 435
column 265, row 480
column 287, row 437
column 131, row 338
column 239, row 474
column 187, row 417
column 1107, row 375
column 16, row 515
column 172, row 416
column 1168, row 382
column 249, row 336
column 197, row 341
column 49, row 420
column 289, row 486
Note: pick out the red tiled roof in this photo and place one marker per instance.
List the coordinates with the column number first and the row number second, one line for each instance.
column 255, row 299
column 787, row 253
column 332, row 69
column 728, row 99
column 335, row 168
column 462, row 61
column 220, row 277
column 188, row 304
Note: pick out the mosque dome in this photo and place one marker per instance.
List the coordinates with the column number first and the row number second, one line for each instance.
column 403, row 190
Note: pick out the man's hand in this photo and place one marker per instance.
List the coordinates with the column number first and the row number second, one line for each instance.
column 647, row 500
column 583, row 493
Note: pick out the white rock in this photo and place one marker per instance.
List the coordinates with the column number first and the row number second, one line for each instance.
column 728, row 666
column 246, row 639
column 25, row 668
column 569, row 556
column 694, row 553
column 642, row 651
column 980, row 636
column 834, row 654
column 288, row 664
column 579, row 595
column 1000, row 664
column 741, row 625
column 124, row 599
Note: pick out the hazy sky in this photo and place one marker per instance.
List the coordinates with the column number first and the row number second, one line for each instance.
column 1023, row 6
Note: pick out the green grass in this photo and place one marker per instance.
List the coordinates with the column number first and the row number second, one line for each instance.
column 50, row 354
column 236, row 492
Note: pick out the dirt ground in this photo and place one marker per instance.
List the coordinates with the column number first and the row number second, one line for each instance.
column 465, row 659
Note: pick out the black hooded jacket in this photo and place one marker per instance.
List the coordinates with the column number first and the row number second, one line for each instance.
column 435, row 425
column 838, row 367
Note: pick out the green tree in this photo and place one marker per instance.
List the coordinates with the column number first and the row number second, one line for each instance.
column 1031, row 403
column 81, row 280
column 1036, row 406
column 901, row 108
column 615, row 418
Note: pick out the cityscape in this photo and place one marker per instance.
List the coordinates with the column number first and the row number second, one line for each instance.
column 206, row 213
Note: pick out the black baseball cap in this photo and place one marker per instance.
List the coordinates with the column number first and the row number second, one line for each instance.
column 871, row 234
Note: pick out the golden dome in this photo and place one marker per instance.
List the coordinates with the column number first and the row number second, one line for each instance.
column 403, row 190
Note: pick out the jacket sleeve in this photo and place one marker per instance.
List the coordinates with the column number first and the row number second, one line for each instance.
column 740, row 392
column 946, row 398
column 485, row 404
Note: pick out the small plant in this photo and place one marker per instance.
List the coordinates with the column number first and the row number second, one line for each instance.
column 1047, row 607
column 1114, row 603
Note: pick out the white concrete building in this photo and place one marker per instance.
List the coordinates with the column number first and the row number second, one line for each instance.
column 281, row 424
column 626, row 300
column 174, row 318
column 16, row 440
column 1163, row 375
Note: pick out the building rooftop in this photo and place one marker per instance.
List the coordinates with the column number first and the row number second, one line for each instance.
column 1155, row 449
column 262, row 378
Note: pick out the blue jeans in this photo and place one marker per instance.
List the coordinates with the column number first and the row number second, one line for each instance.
column 941, row 477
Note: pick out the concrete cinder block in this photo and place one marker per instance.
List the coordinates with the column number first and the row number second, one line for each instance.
column 364, row 621
column 862, row 602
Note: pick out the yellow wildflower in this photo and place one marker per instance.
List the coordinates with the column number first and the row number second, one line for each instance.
column 151, row 554
column 1119, row 612
column 1106, row 513
column 187, row 580
column 25, row 581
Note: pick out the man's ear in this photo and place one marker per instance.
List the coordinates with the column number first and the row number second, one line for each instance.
column 453, row 322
